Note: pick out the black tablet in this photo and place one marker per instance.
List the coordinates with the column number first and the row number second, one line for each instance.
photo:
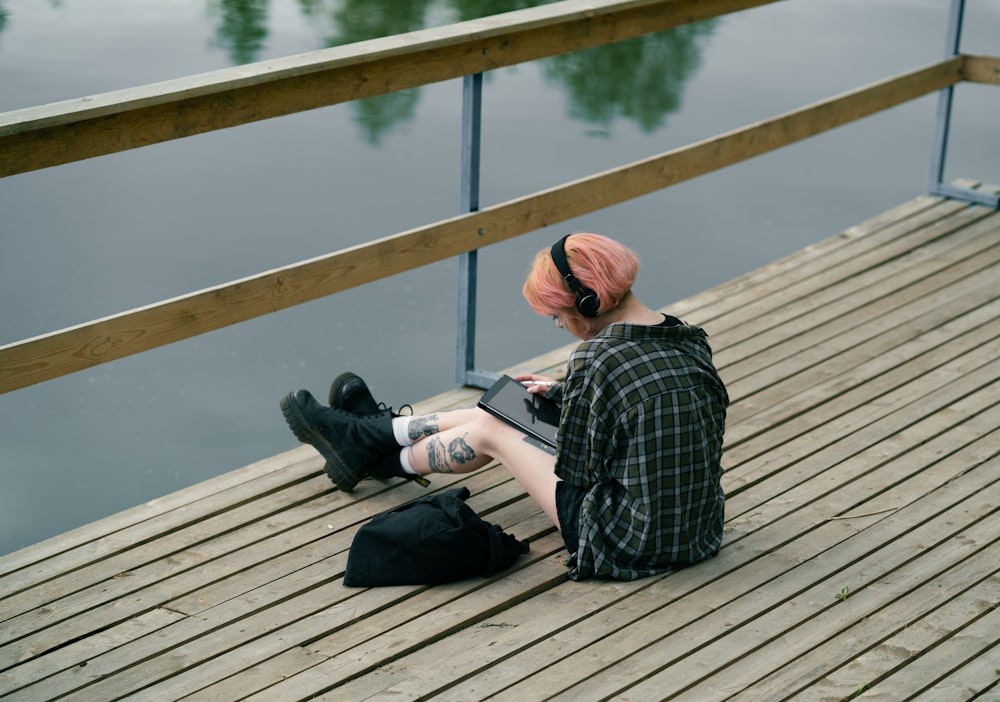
column 535, row 415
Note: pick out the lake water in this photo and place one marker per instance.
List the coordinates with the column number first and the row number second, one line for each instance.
column 102, row 236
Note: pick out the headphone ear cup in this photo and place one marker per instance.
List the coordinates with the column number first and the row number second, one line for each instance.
column 587, row 302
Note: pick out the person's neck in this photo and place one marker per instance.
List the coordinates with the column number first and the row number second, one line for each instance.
column 633, row 311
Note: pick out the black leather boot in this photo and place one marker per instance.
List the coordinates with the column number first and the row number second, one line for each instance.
column 349, row 392
column 352, row 444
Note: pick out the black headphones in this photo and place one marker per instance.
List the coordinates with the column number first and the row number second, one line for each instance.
column 587, row 302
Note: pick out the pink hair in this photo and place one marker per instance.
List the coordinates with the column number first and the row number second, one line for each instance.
column 599, row 263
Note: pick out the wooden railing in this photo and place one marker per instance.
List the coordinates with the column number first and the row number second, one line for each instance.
column 92, row 126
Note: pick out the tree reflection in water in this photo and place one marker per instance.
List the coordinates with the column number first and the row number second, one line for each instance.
column 242, row 28
column 639, row 79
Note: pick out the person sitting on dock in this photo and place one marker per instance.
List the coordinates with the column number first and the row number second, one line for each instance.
column 634, row 484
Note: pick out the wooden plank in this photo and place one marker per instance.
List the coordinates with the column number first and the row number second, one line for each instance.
column 897, row 648
column 114, row 672
column 836, row 437
column 453, row 668
column 851, row 441
column 170, row 576
column 360, row 646
column 844, row 630
column 838, row 364
column 883, row 379
column 178, row 672
column 856, row 319
column 824, row 425
column 135, row 527
column 293, row 465
column 976, row 680
column 388, row 609
column 805, row 265
column 262, row 674
column 314, row 565
column 865, row 280
column 95, row 125
column 492, row 490
column 449, row 617
column 52, row 355
column 714, row 651
column 811, row 260
column 982, row 69
column 127, row 569
column 178, row 563
column 77, row 654
column 295, row 605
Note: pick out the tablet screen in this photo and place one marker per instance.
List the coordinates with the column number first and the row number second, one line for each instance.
column 532, row 414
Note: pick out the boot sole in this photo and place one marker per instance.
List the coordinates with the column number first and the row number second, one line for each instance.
column 338, row 471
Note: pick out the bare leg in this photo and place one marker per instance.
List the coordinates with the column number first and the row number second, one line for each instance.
column 462, row 447
column 430, row 424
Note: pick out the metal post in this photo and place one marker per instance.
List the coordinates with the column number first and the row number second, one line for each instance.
column 945, row 98
column 472, row 112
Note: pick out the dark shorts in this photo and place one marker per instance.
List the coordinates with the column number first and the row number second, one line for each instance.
column 568, row 501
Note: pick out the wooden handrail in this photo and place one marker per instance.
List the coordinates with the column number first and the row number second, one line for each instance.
column 981, row 69
column 59, row 353
column 63, row 132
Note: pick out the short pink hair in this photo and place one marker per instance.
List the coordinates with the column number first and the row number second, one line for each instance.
column 599, row 263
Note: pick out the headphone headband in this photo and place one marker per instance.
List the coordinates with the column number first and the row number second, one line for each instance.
column 587, row 302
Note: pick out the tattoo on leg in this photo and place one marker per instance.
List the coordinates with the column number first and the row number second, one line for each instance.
column 423, row 426
column 436, row 458
column 459, row 451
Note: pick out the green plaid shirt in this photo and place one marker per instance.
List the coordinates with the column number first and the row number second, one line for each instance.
column 643, row 413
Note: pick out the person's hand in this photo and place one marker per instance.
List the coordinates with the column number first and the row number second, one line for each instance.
column 536, row 384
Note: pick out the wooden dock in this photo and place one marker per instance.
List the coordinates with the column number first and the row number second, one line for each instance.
column 861, row 558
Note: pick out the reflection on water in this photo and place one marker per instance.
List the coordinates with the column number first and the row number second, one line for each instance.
column 358, row 20
column 242, row 27
column 640, row 79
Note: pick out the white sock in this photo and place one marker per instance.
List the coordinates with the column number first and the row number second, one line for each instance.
column 404, row 460
column 401, row 430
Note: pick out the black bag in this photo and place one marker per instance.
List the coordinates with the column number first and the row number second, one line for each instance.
column 431, row 540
